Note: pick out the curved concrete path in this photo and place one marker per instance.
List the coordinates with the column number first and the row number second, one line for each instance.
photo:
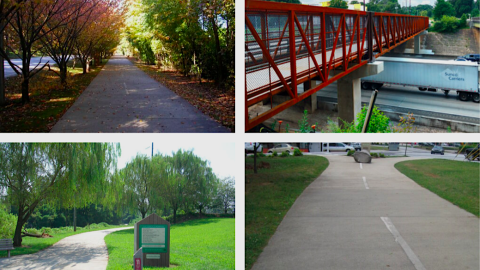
column 85, row 251
column 336, row 223
column 122, row 98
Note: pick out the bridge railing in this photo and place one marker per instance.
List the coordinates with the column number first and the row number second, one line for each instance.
column 288, row 44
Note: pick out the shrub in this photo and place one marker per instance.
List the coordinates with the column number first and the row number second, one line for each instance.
column 374, row 155
column 33, row 231
column 463, row 21
column 350, row 152
column 381, row 155
column 274, row 154
column 260, row 155
column 46, row 230
column 7, row 223
column 297, row 152
column 284, row 154
column 447, row 24
column 378, row 121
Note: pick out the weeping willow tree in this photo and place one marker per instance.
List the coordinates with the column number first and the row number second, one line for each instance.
column 180, row 181
column 139, row 178
column 60, row 174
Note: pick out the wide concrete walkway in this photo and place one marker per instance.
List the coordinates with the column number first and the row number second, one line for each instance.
column 122, row 98
column 85, row 251
column 371, row 216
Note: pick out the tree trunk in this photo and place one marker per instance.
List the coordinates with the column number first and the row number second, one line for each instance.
column 143, row 214
column 17, row 238
column 217, row 47
column 2, row 69
column 74, row 219
column 84, row 67
column 25, row 83
column 63, row 72
column 175, row 216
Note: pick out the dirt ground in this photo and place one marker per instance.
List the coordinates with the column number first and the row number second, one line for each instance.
column 320, row 117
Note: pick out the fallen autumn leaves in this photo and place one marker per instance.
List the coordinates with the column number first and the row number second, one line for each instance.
column 49, row 101
column 213, row 101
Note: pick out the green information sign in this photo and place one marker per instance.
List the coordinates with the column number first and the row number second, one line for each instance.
column 154, row 238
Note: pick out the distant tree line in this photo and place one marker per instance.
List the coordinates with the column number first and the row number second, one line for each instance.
column 170, row 184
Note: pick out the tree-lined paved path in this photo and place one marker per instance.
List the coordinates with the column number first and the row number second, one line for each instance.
column 122, row 98
column 337, row 223
column 76, row 252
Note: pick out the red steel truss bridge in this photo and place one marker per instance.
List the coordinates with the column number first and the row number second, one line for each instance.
column 289, row 44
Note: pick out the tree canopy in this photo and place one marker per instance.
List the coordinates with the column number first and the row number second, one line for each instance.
column 443, row 8
column 57, row 28
column 61, row 174
column 196, row 36
column 338, row 4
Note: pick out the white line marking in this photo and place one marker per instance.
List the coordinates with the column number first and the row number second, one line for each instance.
column 365, row 182
column 399, row 239
column 361, row 167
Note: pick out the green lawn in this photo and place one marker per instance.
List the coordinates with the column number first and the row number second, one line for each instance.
column 31, row 244
column 195, row 244
column 455, row 181
column 270, row 193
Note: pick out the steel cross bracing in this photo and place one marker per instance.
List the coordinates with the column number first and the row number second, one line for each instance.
column 321, row 40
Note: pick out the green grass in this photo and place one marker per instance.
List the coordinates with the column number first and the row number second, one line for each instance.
column 270, row 193
column 32, row 244
column 455, row 181
column 195, row 244
column 49, row 100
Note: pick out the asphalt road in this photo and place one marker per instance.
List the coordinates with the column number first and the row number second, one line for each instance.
column 76, row 252
column 370, row 216
column 33, row 63
column 412, row 98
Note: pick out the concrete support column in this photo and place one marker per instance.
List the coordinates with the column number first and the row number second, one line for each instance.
column 349, row 93
column 349, row 98
column 310, row 103
column 416, row 44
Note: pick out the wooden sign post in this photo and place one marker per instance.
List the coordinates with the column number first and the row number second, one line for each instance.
column 152, row 234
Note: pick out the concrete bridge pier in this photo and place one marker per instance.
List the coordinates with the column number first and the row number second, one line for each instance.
column 349, row 91
column 416, row 42
column 310, row 103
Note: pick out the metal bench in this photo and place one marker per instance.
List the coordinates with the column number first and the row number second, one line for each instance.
column 6, row 244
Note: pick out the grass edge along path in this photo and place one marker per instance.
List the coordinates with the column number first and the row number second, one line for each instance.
column 49, row 99
column 454, row 181
column 194, row 244
column 270, row 193
column 32, row 245
column 217, row 104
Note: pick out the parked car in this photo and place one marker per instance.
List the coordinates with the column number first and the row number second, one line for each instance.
column 337, row 147
column 461, row 59
column 279, row 148
column 249, row 147
column 437, row 149
column 357, row 146
column 471, row 57
column 472, row 153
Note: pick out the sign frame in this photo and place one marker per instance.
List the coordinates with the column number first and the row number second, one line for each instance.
column 145, row 247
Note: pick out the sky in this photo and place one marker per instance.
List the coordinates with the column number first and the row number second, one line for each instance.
column 220, row 155
column 401, row 2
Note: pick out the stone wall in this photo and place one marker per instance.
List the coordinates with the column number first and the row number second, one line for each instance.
column 464, row 41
